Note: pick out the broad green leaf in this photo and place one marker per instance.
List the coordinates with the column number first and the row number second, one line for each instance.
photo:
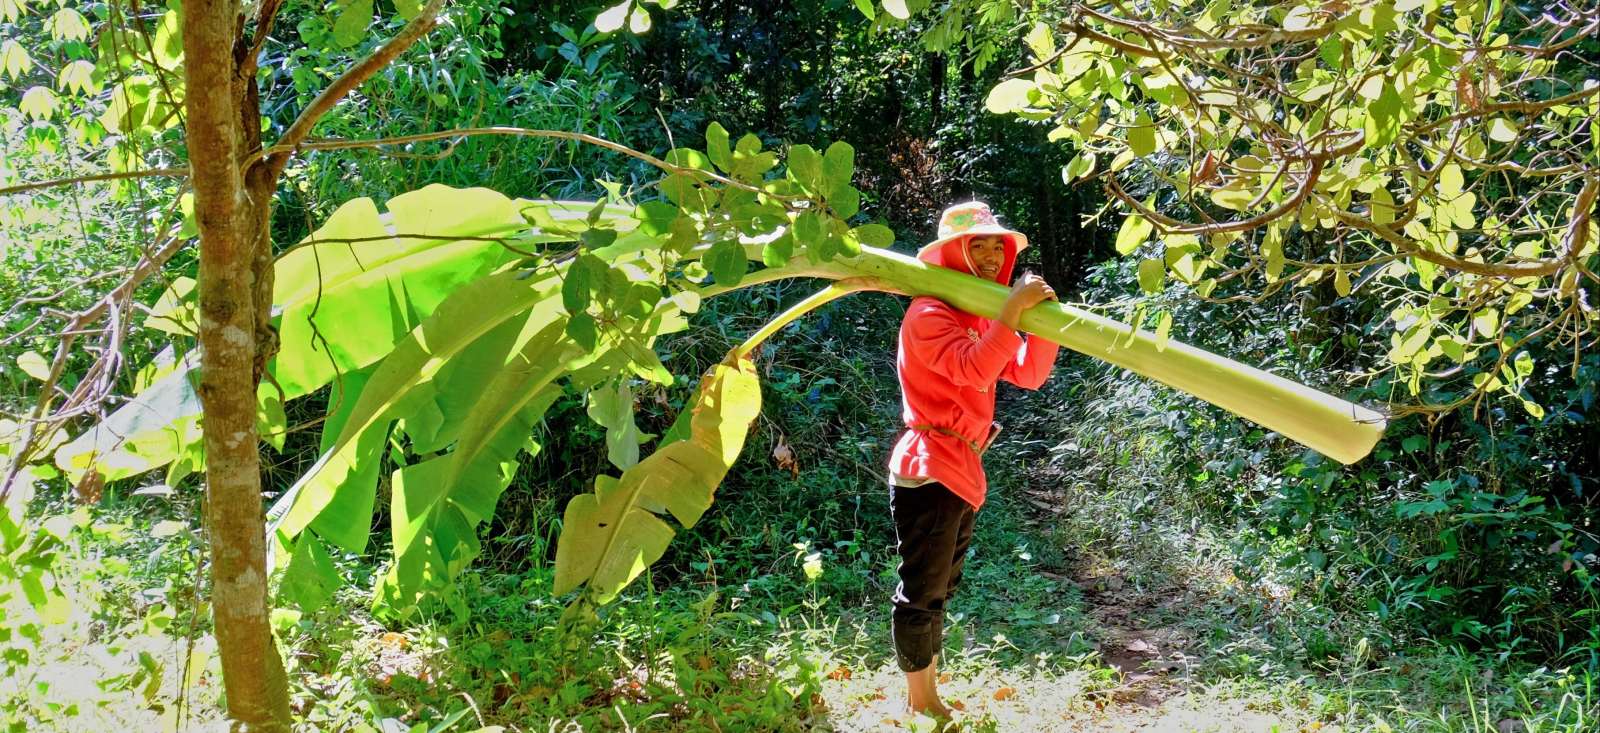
column 612, row 408
column 838, row 164
column 1487, row 323
column 897, row 8
column 408, row 9
column 875, row 235
column 866, row 9
column 1152, row 273
column 1235, row 195
column 610, row 536
column 717, row 147
column 1135, row 231
column 310, row 579
column 1009, row 96
column 351, row 26
column 726, row 260
column 1163, row 330
column 1142, row 136
column 805, row 167
column 1341, row 281
column 168, row 41
column 776, row 253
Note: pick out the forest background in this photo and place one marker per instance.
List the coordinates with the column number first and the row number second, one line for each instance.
column 1161, row 561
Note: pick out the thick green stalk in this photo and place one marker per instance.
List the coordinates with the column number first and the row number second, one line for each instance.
column 1332, row 426
column 814, row 301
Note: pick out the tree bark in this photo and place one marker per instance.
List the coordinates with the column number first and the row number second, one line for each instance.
column 230, row 232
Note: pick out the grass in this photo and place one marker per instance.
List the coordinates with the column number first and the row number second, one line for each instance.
column 1046, row 635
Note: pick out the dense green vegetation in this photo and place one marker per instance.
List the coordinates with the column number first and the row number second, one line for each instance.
column 1147, row 560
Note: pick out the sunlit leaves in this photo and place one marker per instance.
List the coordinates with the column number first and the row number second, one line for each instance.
column 38, row 103
column 897, row 8
column 14, row 60
column 78, row 77
column 612, row 18
column 69, row 25
column 1009, row 96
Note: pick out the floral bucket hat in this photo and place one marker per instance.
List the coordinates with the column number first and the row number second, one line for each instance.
column 973, row 218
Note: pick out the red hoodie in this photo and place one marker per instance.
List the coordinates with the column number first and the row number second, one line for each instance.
column 948, row 366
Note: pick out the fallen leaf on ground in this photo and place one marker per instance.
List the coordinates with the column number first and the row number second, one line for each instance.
column 839, row 673
column 1005, row 693
column 1137, row 645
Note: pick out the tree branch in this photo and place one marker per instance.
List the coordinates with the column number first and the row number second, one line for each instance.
column 426, row 19
column 147, row 173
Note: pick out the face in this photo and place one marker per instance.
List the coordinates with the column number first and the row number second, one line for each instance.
column 988, row 255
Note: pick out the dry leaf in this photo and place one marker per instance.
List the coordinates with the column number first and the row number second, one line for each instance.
column 958, row 705
column 1207, row 171
column 1005, row 693
column 90, row 488
column 392, row 639
column 1137, row 645
column 784, row 456
column 839, row 674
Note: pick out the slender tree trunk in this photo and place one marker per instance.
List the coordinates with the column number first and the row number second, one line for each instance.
column 230, row 230
column 937, row 68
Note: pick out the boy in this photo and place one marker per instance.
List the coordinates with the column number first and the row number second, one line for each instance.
column 948, row 365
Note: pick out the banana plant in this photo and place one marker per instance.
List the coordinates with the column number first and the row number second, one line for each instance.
column 445, row 327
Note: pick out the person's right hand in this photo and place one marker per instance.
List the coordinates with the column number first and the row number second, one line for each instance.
column 1029, row 291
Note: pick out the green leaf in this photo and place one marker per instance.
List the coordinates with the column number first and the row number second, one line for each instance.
column 875, row 235
column 1487, row 323
column 639, row 21
column 311, row 579
column 168, row 41
column 612, row 18
column 717, row 147
column 1135, row 231
column 583, row 331
column 1142, row 136
column 34, row 365
column 610, row 536
column 897, row 8
column 805, row 167
column 1383, row 116
column 351, row 26
column 726, row 260
column 78, row 77
column 612, row 409
column 1009, row 96
column 1081, row 165
column 38, row 103
column 838, row 164
column 867, row 11
column 1341, row 281
column 1502, row 130
column 1163, row 330
column 12, row 10
column 408, row 9
column 776, row 253
column 69, row 25
column 1152, row 273
column 14, row 59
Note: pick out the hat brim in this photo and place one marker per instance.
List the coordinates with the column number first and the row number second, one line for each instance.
column 981, row 230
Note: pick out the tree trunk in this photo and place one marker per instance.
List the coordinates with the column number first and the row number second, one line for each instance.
column 230, row 231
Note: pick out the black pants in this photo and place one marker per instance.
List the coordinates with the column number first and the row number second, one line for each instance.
column 932, row 529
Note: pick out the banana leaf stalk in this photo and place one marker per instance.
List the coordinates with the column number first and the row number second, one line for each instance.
column 1334, row 427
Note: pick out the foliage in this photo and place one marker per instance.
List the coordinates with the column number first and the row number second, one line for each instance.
column 1439, row 156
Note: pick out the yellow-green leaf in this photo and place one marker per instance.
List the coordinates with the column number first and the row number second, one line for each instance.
column 1502, row 130
column 610, row 536
column 613, row 17
column 34, row 365
column 1135, row 230
column 78, row 77
column 1487, row 323
column 14, row 60
column 1142, row 136
column 1341, row 281
column 352, row 23
column 13, row 10
column 69, row 25
column 1008, row 96
column 38, row 103
column 897, row 8
column 1152, row 273
column 639, row 20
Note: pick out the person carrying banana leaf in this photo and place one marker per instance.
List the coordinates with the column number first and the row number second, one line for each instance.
column 949, row 363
